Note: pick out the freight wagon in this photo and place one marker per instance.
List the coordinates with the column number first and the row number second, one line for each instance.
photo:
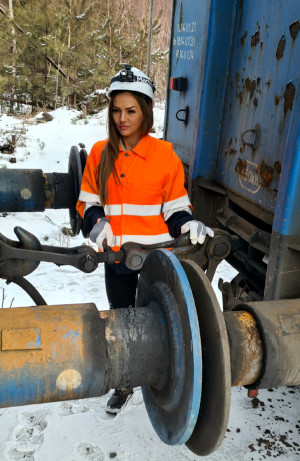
column 232, row 114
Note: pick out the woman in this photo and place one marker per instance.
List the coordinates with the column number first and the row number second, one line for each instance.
column 133, row 190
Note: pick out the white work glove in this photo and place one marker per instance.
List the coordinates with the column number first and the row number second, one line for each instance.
column 198, row 231
column 102, row 231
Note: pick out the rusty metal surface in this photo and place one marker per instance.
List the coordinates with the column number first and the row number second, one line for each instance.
column 53, row 353
column 281, row 47
column 289, row 96
column 59, row 190
column 49, row 354
column 262, row 90
column 246, row 349
column 278, row 323
column 15, row 339
column 266, row 174
column 294, row 29
column 199, row 51
column 137, row 347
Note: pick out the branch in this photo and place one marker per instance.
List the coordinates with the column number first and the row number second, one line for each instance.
column 57, row 67
column 20, row 101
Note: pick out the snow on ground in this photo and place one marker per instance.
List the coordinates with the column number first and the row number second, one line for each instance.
column 263, row 428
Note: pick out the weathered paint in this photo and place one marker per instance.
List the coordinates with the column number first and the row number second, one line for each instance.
column 266, row 59
column 199, row 50
column 38, row 347
column 281, row 47
column 52, row 353
column 246, row 349
column 69, row 380
column 255, row 52
column 14, row 339
column 294, row 29
column 21, row 190
column 241, row 143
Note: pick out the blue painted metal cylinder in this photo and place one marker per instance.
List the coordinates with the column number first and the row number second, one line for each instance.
column 50, row 354
column 33, row 190
column 21, row 190
column 53, row 353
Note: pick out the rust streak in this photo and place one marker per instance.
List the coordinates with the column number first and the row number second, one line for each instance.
column 294, row 29
column 240, row 96
column 244, row 37
column 250, row 349
column 241, row 167
column 289, row 96
column 280, row 48
column 255, row 39
column 277, row 167
column 276, row 100
column 246, row 320
column 266, row 174
column 49, row 196
column 250, row 86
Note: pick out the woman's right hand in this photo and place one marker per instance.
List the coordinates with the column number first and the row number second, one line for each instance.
column 101, row 231
column 198, row 231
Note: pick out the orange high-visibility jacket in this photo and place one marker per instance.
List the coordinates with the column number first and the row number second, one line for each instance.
column 151, row 189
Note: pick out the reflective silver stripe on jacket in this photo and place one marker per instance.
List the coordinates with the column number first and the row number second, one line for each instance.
column 128, row 209
column 132, row 210
column 89, row 199
column 180, row 202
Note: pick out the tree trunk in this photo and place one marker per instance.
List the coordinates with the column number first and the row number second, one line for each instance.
column 110, row 37
column 13, row 50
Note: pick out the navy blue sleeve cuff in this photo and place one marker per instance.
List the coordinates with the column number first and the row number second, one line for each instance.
column 177, row 220
column 90, row 218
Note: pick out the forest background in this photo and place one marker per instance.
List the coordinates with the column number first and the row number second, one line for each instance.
column 56, row 53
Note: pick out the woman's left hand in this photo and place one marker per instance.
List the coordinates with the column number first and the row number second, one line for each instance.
column 198, row 231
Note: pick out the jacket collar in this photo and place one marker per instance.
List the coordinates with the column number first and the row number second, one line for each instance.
column 142, row 148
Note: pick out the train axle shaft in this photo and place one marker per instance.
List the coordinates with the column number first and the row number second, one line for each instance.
column 184, row 352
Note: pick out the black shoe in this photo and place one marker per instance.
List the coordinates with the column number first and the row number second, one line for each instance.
column 118, row 400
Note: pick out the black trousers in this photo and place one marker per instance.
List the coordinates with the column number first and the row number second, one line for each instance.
column 120, row 286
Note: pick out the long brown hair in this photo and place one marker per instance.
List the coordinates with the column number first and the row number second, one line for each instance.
column 110, row 151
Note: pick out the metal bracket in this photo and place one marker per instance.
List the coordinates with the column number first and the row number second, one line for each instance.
column 185, row 116
column 257, row 133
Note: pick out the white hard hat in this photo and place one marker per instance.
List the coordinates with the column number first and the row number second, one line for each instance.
column 131, row 79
